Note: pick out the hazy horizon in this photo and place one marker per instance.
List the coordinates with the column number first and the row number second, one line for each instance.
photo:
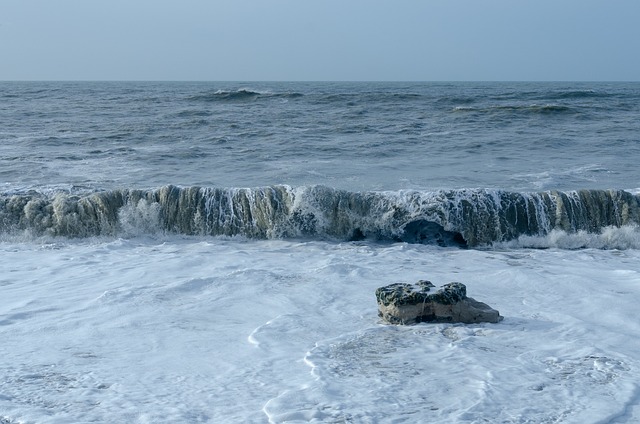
column 323, row 81
column 285, row 40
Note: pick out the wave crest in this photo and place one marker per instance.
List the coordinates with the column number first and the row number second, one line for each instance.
column 243, row 94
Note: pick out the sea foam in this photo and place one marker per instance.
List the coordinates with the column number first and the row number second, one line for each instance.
column 186, row 329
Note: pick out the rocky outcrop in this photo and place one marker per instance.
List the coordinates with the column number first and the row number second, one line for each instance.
column 403, row 303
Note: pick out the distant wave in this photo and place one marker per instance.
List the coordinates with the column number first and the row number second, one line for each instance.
column 579, row 94
column 533, row 109
column 547, row 99
column 468, row 217
column 242, row 94
column 374, row 96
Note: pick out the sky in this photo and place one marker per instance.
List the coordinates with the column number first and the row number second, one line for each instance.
column 320, row 40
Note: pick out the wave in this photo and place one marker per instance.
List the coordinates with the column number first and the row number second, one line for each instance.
column 467, row 217
column 580, row 94
column 242, row 94
column 546, row 109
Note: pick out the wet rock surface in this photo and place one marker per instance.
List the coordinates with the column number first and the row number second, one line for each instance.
column 403, row 303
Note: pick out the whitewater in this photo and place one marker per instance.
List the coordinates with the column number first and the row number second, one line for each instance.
column 209, row 252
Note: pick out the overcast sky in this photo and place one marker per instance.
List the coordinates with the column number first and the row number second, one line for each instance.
column 274, row 40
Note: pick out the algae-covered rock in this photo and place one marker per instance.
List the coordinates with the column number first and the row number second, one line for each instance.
column 403, row 303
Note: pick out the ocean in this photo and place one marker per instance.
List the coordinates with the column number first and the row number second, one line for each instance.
column 191, row 252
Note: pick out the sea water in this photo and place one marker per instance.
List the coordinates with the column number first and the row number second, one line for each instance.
column 209, row 252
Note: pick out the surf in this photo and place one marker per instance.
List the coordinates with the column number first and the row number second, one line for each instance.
column 463, row 217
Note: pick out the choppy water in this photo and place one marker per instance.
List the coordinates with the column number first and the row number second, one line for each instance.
column 353, row 136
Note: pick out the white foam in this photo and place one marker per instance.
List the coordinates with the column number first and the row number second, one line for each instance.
column 625, row 237
column 227, row 330
column 141, row 218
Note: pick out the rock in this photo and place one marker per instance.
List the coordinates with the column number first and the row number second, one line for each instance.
column 403, row 303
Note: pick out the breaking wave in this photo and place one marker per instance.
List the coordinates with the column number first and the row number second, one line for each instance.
column 242, row 94
column 467, row 217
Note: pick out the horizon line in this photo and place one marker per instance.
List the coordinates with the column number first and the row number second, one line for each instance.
column 323, row 81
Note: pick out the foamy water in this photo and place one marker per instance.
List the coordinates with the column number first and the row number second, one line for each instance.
column 227, row 330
